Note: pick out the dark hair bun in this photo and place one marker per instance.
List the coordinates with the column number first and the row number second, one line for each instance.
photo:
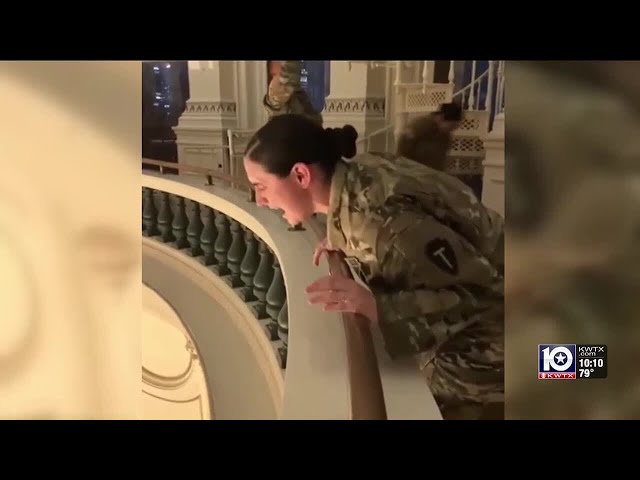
column 344, row 140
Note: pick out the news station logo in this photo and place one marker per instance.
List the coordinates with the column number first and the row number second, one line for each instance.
column 557, row 362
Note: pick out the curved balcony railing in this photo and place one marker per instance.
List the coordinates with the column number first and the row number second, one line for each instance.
column 330, row 366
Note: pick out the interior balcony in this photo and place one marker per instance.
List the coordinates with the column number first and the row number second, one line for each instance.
column 234, row 274
column 228, row 332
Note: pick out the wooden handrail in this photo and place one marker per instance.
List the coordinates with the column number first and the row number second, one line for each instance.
column 207, row 172
column 367, row 397
column 365, row 383
column 198, row 170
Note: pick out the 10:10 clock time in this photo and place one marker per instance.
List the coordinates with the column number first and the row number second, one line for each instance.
column 591, row 362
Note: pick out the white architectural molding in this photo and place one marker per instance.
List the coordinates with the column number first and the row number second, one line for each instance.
column 251, row 86
column 357, row 97
column 221, row 108
column 240, row 70
column 260, row 87
column 348, row 106
column 494, row 164
column 211, row 109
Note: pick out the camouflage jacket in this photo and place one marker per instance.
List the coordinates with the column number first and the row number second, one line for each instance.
column 433, row 256
column 286, row 96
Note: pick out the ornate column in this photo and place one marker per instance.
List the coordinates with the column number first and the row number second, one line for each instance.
column 211, row 110
column 250, row 88
column 357, row 98
column 493, row 181
column 251, row 81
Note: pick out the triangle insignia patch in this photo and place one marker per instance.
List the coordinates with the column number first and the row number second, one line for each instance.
column 441, row 254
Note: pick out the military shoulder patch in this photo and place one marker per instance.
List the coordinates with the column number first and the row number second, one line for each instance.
column 441, row 253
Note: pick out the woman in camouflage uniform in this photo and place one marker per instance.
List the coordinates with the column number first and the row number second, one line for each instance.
column 430, row 253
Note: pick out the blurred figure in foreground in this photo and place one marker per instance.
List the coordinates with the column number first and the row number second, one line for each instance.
column 573, row 252
column 70, row 263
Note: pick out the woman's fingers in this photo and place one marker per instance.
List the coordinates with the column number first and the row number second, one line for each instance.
column 327, row 297
column 320, row 249
column 317, row 255
column 338, row 307
column 331, row 282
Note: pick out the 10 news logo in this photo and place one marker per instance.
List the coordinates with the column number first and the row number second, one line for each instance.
column 557, row 362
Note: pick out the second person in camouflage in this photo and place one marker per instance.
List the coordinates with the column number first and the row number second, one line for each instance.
column 285, row 95
column 430, row 253
column 427, row 139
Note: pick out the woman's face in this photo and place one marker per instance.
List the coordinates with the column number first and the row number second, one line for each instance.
column 290, row 194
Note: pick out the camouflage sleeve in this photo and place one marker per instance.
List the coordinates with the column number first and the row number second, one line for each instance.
column 285, row 94
column 282, row 86
column 437, row 270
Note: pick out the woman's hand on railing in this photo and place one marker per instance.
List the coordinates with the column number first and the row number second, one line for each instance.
column 339, row 294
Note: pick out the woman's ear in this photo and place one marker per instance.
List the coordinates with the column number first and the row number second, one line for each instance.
column 302, row 174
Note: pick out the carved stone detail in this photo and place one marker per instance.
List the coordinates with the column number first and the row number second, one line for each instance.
column 352, row 106
column 211, row 108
